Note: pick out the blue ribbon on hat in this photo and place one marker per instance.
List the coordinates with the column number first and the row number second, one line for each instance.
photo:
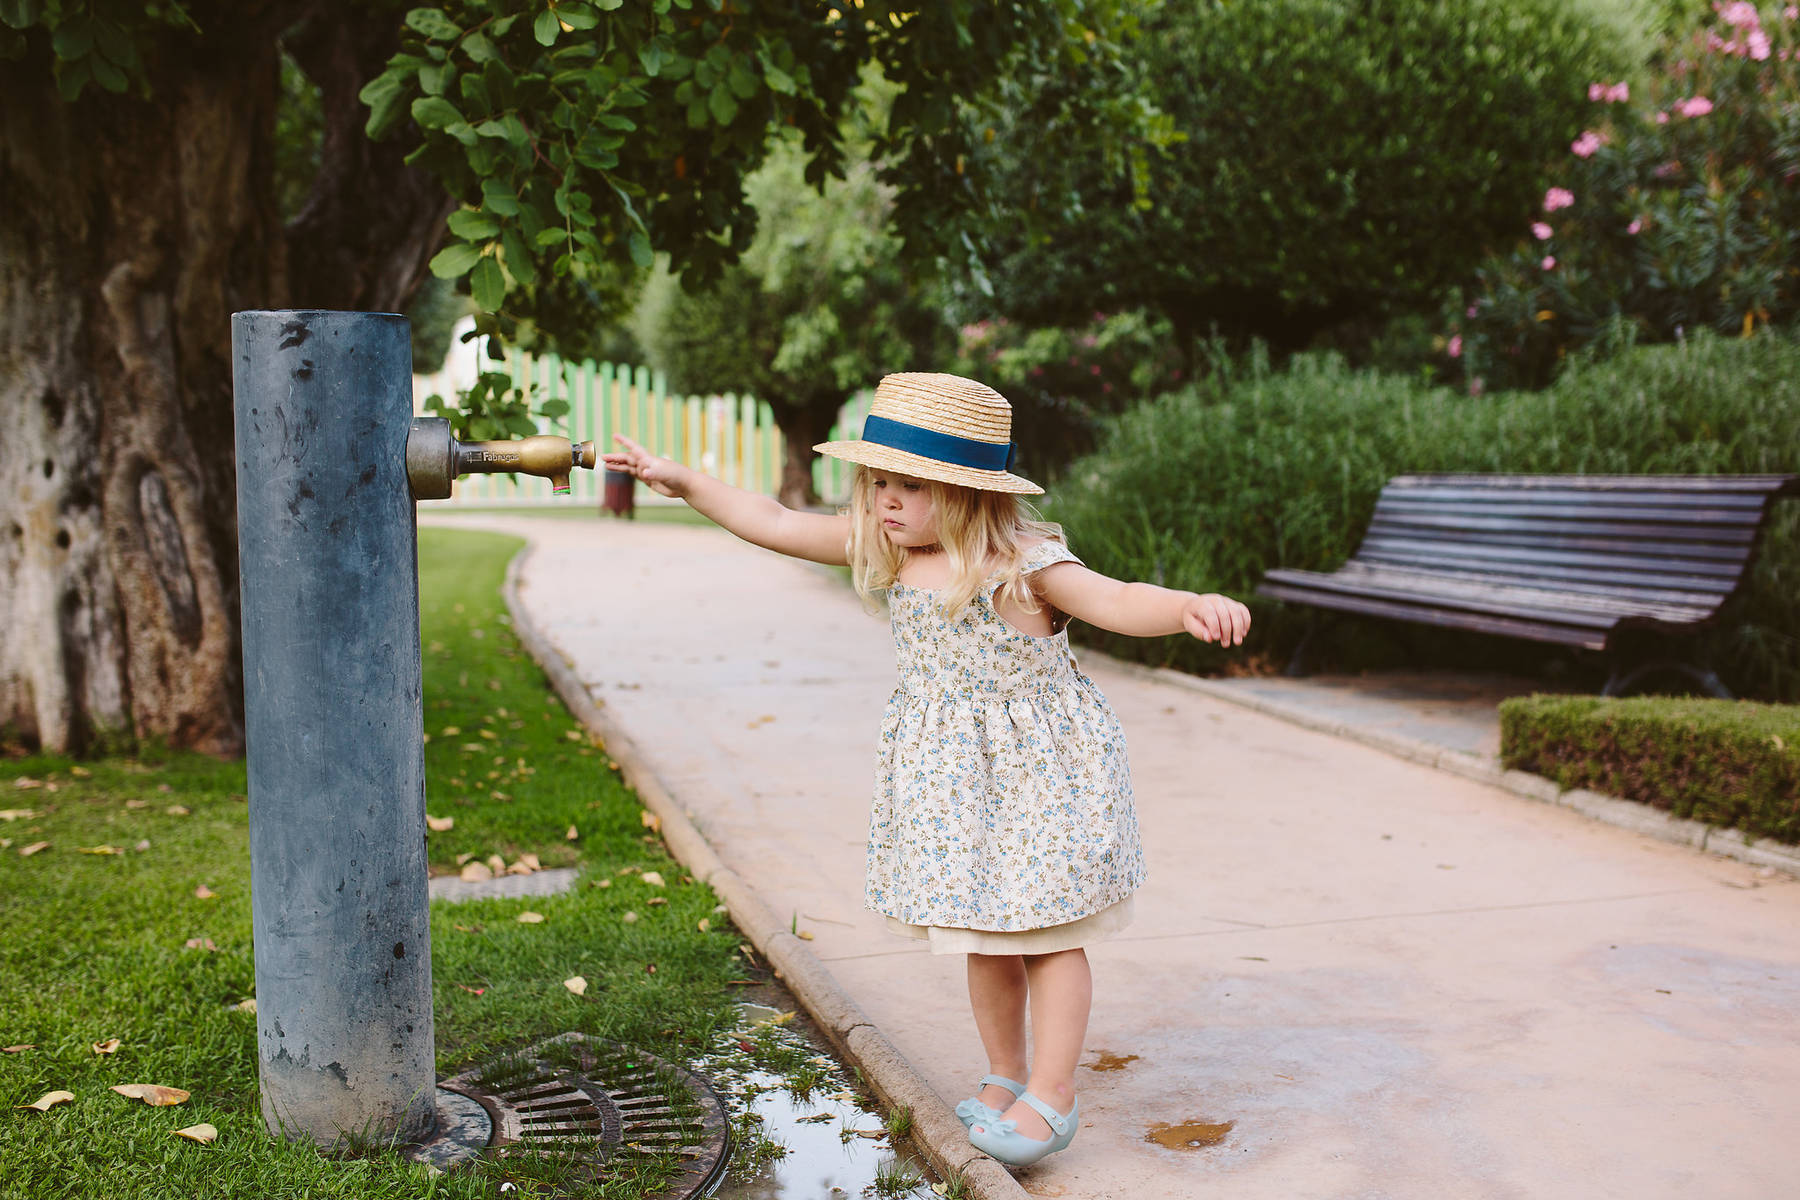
column 944, row 447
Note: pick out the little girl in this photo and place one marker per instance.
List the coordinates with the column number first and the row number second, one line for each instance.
column 1002, row 826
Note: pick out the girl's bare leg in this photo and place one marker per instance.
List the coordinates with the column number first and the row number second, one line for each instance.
column 1062, row 991
column 997, row 996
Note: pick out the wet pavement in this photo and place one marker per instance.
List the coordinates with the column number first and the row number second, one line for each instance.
column 1351, row 975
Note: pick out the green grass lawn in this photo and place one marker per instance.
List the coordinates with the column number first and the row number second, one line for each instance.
column 118, row 944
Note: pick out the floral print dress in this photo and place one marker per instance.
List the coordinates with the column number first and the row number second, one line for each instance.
column 1002, row 798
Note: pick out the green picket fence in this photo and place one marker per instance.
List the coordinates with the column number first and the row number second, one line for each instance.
column 730, row 437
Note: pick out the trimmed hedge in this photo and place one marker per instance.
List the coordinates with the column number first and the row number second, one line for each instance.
column 1255, row 468
column 1726, row 762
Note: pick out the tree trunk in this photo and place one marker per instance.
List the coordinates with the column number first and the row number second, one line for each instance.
column 803, row 426
column 130, row 232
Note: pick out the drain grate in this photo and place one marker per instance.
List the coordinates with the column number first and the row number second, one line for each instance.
column 598, row 1102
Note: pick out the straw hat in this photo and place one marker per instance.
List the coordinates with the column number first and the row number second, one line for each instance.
column 941, row 427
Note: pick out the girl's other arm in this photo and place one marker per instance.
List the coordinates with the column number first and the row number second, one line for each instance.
column 759, row 520
column 1141, row 609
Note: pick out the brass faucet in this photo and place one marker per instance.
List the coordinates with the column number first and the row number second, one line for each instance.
column 434, row 458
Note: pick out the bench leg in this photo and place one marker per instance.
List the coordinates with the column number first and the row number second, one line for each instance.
column 1304, row 660
column 1623, row 680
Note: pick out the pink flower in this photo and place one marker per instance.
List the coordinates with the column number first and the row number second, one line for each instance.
column 1557, row 198
column 1637, row 224
column 1596, row 91
column 1741, row 14
column 1472, row 311
column 1549, row 263
column 1455, row 346
column 1694, row 106
column 1585, row 145
column 1662, row 118
column 1618, row 93
column 1541, row 231
column 1759, row 45
column 1791, row 12
column 1475, row 386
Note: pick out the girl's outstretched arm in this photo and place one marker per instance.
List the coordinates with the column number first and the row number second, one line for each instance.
column 1141, row 609
column 757, row 519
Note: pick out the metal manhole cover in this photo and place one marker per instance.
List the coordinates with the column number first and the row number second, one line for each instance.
column 594, row 1100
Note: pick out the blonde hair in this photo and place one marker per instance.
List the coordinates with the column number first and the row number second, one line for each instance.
column 979, row 531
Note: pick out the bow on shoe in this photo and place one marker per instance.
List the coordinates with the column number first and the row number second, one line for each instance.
column 974, row 1110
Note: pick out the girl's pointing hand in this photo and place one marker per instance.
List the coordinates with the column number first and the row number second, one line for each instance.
column 1215, row 618
column 664, row 477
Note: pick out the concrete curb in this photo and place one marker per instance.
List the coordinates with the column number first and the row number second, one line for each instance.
column 1626, row 814
column 936, row 1128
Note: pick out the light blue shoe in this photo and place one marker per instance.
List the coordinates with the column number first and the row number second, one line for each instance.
column 973, row 1110
column 1002, row 1140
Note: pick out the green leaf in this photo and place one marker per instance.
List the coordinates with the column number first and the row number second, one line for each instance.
column 722, row 104
column 434, row 112
column 554, row 408
column 498, row 197
column 479, row 48
column 71, row 78
column 609, row 5
column 653, row 54
column 433, row 24
column 641, row 254
column 431, row 79
column 549, row 237
column 73, row 40
column 518, row 258
column 467, row 223
column 779, row 80
column 488, row 284
column 106, row 74
column 386, row 98
column 578, row 16
column 546, row 27
column 20, row 14
column 454, row 261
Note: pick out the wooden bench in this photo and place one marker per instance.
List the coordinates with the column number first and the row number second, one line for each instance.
column 1581, row 560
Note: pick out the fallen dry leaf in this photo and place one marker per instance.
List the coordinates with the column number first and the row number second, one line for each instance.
column 520, row 868
column 805, row 935
column 18, row 1049
column 204, row 1134
column 653, row 878
column 464, row 857
column 247, row 1005
column 530, row 918
column 496, row 864
column 574, row 735
column 153, row 1094
column 137, row 804
column 576, row 984
column 704, row 925
column 531, row 860
column 629, row 918
column 109, row 1046
column 440, row 824
column 81, row 772
column 48, row 1100
column 99, row 850
column 26, row 784
column 656, row 900
column 651, row 821
column 475, row 872
column 178, row 810
column 574, row 834
column 142, row 846
column 451, row 730
column 28, row 851
column 472, row 991
column 199, row 943
column 599, row 883
column 204, row 893
column 18, row 814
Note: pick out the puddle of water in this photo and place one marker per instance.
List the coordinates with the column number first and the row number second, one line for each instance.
column 785, row 1091
column 1190, row 1136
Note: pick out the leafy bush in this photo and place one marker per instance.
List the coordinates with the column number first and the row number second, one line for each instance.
column 1725, row 762
column 1337, row 158
column 1249, row 469
column 1677, row 208
column 1064, row 382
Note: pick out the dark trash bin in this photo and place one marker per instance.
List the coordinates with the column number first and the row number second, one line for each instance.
column 619, row 495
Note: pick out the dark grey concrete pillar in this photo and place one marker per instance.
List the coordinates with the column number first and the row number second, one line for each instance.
column 329, row 569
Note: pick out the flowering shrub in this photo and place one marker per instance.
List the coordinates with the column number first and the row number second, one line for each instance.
column 1673, row 210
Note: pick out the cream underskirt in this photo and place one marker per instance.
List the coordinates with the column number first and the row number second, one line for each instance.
column 1092, row 928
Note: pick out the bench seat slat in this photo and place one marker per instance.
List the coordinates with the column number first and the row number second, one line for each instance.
column 1564, row 525
column 1498, row 599
column 1685, row 589
column 1548, row 564
column 1537, row 631
column 1596, row 594
column 1733, row 546
column 1481, row 485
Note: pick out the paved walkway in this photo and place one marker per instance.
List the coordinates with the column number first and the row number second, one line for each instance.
column 1389, row 981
